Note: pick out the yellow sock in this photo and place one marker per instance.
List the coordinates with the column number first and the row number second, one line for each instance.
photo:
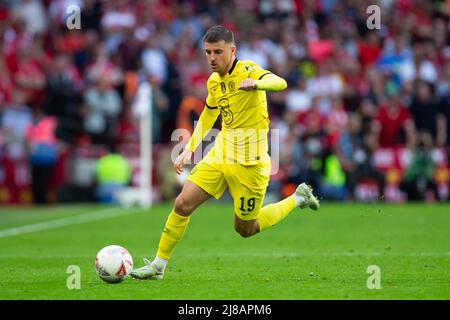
column 173, row 232
column 275, row 212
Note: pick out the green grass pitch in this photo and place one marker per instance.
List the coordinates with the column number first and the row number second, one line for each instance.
column 309, row 255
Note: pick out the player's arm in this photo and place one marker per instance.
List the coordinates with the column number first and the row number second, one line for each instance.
column 271, row 82
column 206, row 121
column 261, row 79
column 204, row 125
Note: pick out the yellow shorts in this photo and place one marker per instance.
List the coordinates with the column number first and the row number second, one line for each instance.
column 247, row 184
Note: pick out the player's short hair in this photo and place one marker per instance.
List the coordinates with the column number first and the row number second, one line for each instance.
column 217, row 33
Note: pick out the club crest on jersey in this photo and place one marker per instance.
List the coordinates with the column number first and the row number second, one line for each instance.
column 231, row 86
column 223, row 87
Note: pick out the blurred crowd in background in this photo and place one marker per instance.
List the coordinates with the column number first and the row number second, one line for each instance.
column 366, row 115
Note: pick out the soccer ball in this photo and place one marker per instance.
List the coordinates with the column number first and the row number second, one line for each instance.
column 113, row 264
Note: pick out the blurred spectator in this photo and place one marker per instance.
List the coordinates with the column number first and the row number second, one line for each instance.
column 327, row 84
column 419, row 66
column 355, row 151
column 129, row 51
column 424, row 109
column 43, row 153
column 186, row 19
column 64, row 87
column 102, row 108
column 333, row 185
column 313, row 145
column 298, row 99
column 418, row 179
column 91, row 15
column 255, row 50
column 6, row 85
column 30, row 77
column 444, row 112
column 128, row 128
column 395, row 54
column 17, row 116
column 33, row 13
column 154, row 60
column 393, row 124
column 336, row 120
column 443, row 86
column 369, row 48
column 103, row 68
column 118, row 18
column 113, row 173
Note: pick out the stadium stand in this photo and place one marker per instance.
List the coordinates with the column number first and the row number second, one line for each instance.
column 361, row 107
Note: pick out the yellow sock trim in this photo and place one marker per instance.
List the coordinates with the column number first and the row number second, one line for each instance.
column 173, row 232
column 275, row 212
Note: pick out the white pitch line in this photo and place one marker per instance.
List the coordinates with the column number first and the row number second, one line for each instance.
column 68, row 221
column 254, row 255
column 318, row 254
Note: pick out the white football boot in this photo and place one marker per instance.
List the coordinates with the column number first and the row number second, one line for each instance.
column 147, row 272
column 305, row 191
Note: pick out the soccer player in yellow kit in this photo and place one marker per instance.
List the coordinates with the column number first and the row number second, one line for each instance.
column 239, row 159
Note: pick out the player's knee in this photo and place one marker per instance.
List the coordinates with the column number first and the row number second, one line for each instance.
column 244, row 232
column 182, row 206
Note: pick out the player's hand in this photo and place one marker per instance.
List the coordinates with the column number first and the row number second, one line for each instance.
column 181, row 160
column 247, row 85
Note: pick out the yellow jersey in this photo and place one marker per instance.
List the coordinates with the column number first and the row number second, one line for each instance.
column 245, row 119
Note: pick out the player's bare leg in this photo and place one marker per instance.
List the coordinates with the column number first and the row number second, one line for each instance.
column 188, row 200
column 273, row 213
column 246, row 228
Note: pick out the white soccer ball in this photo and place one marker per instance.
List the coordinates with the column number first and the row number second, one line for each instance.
column 113, row 264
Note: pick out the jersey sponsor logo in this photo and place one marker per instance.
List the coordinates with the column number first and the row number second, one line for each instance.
column 231, row 86
column 224, row 107
column 224, row 87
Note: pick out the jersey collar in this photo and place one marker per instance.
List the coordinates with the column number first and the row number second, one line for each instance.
column 232, row 67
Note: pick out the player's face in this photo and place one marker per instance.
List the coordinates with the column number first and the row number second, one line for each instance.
column 220, row 55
